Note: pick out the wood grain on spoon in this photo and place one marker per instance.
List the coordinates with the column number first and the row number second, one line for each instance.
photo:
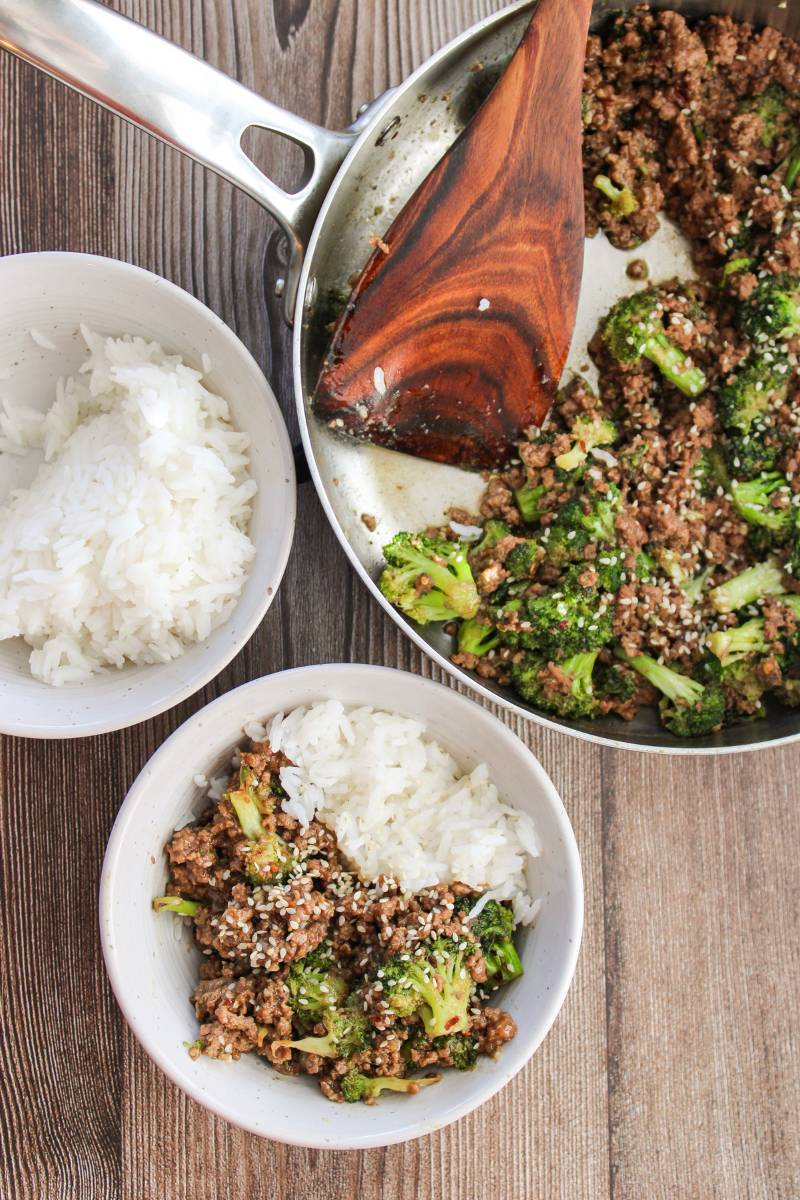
column 457, row 331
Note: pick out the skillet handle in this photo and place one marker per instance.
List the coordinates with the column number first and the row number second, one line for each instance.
column 178, row 98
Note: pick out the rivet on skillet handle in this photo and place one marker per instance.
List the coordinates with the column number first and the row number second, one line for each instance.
column 180, row 99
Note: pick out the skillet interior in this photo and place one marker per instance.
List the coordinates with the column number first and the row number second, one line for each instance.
column 409, row 135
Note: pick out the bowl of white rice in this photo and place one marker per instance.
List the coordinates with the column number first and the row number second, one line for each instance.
column 147, row 495
column 418, row 783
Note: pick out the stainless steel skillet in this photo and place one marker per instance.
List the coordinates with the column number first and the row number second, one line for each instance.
column 356, row 182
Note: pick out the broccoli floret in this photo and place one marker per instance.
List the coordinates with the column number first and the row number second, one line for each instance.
column 465, row 902
column 525, row 672
column 764, row 579
column 494, row 926
column 583, row 519
column 772, row 311
column 527, row 499
column 633, row 329
column 435, row 985
column 710, row 471
column 347, row 1032
column 429, row 579
column 269, row 860
column 645, row 566
column 622, row 201
column 563, row 542
column 493, row 532
column 743, row 689
column 772, row 109
column 616, row 680
column 268, row 857
column 588, row 431
column 688, row 708
column 610, row 569
column 741, row 641
column 367, row 1088
column 752, row 499
column 761, row 541
column 529, row 676
column 759, row 384
column 462, row 1048
column 598, row 512
column 314, row 985
column 789, row 692
column 476, row 637
column 523, row 559
column 504, row 609
column 747, row 455
column 568, row 620
column 176, row 905
column 739, row 681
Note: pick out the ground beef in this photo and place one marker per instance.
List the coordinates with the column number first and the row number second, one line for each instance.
column 671, row 112
column 493, row 1028
column 251, row 932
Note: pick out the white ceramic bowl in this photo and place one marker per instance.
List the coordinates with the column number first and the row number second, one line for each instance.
column 53, row 293
column 152, row 962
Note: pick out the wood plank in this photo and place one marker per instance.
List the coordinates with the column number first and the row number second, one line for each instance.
column 704, row 1037
column 677, row 1079
column 60, row 1051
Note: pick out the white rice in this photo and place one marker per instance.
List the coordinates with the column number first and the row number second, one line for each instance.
column 131, row 542
column 399, row 803
column 41, row 339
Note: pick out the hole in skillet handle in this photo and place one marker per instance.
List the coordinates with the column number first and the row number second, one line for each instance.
column 286, row 163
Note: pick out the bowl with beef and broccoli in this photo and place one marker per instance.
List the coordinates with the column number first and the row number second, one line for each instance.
column 632, row 574
column 341, row 906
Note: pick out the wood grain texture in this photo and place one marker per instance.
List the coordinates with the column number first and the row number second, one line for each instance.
column 455, row 335
column 672, row 1071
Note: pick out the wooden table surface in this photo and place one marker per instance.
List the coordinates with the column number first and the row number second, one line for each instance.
column 672, row 1070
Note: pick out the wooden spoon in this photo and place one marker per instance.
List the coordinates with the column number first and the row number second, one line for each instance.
column 455, row 336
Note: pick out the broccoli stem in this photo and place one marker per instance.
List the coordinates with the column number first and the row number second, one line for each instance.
column 177, row 905
column 391, row 1083
column 247, row 815
column 325, row 1047
column 581, row 667
column 475, row 637
column 792, row 168
column 693, row 590
column 622, row 200
column 356, row 1086
column 751, row 500
column 671, row 362
column 734, row 266
column 731, row 644
column 461, row 594
column 527, row 500
column 764, row 579
column 670, row 683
